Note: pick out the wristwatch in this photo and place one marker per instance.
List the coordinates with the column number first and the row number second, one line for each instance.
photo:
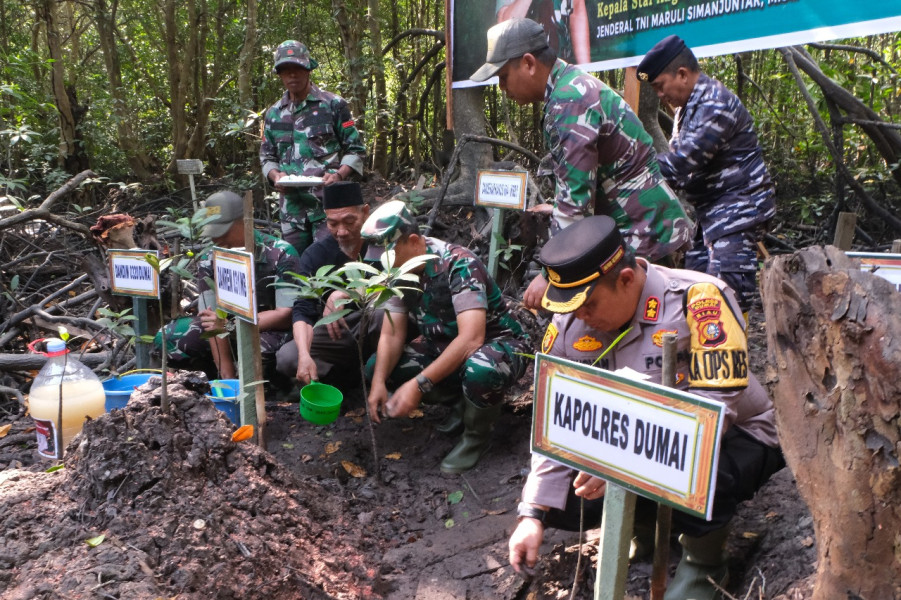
column 425, row 384
column 524, row 510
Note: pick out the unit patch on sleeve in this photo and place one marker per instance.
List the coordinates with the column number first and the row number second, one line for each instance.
column 719, row 347
column 550, row 335
column 347, row 124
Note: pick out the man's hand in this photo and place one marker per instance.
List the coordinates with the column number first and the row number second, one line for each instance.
column 306, row 369
column 524, row 545
column 589, row 487
column 274, row 176
column 404, row 400
column 378, row 396
column 332, row 177
column 542, row 209
column 210, row 321
column 336, row 328
column 532, row 298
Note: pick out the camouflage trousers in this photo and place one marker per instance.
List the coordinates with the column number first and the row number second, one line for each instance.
column 484, row 377
column 185, row 344
column 302, row 220
column 732, row 258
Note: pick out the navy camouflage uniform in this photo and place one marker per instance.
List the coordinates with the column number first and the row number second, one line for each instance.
column 716, row 160
column 455, row 282
column 310, row 139
column 605, row 163
column 273, row 259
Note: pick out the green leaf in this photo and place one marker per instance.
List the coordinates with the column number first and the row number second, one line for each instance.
column 95, row 541
column 55, row 468
column 63, row 333
column 332, row 317
column 449, row 523
column 455, row 497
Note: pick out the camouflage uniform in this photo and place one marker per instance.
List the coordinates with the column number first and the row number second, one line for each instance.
column 457, row 281
column 716, row 159
column 311, row 138
column 274, row 258
column 604, row 162
column 749, row 452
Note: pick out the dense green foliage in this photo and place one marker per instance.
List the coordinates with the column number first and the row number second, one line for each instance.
column 178, row 93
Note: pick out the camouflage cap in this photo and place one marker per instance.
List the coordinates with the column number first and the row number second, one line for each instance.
column 508, row 40
column 388, row 223
column 227, row 207
column 294, row 53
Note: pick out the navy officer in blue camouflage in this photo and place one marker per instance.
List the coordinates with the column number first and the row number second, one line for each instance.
column 715, row 159
column 468, row 337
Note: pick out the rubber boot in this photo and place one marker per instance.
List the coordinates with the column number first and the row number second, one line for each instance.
column 477, row 424
column 453, row 422
column 701, row 556
column 642, row 544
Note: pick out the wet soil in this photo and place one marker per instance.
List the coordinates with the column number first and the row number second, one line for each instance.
column 187, row 513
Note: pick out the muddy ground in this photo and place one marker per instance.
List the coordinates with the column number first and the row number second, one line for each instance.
column 187, row 513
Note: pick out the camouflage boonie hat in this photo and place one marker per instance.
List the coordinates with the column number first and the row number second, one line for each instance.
column 388, row 223
column 294, row 53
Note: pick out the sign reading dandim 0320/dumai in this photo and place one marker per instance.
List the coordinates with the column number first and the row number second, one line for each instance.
column 132, row 275
column 656, row 441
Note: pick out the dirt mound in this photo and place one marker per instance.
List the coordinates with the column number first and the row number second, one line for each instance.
column 183, row 511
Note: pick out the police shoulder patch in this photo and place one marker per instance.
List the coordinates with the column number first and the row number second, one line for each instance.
column 719, row 347
column 550, row 336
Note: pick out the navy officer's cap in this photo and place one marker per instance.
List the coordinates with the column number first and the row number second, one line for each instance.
column 658, row 57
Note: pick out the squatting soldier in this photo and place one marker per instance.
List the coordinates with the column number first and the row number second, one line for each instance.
column 603, row 160
column 716, row 159
column 467, row 335
column 273, row 259
column 599, row 290
column 309, row 132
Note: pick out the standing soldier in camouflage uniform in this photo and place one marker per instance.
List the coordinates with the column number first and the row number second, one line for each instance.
column 467, row 335
column 600, row 290
column 186, row 341
column 716, row 159
column 308, row 132
column 603, row 159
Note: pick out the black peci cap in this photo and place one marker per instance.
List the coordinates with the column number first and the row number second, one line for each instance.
column 577, row 258
column 341, row 194
column 658, row 57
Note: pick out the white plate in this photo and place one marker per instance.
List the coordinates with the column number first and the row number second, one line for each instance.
column 300, row 181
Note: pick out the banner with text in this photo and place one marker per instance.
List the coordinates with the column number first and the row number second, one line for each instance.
column 887, row 266
column 617, row 33
column 656, row 441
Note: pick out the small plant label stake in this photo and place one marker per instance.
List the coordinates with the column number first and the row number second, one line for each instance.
column 642, row 438
column 233, row 273
column 190, row 167
column 499, row 190
column 132, row 275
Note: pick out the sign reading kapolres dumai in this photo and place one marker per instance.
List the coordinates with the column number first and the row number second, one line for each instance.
column 620, row 32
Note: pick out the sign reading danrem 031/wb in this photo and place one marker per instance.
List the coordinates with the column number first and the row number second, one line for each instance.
column 233, row 272
column 658, row 442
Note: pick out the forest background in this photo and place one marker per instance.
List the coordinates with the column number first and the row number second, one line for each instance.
column 125, row 88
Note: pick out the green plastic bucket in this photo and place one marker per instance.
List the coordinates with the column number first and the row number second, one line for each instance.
column 320, row 403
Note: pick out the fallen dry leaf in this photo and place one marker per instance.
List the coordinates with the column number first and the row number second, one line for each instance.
column 332, row 447
column 416, row 414
column 750, row 535
column 354, row 470
column 393, row 456
column 5, row 429
column 305, row 458
column 807, row 542
column 772, row 514
column 357, row 412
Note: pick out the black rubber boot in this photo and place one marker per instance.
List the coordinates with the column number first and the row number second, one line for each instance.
column 453, row 423
column 477, row 422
